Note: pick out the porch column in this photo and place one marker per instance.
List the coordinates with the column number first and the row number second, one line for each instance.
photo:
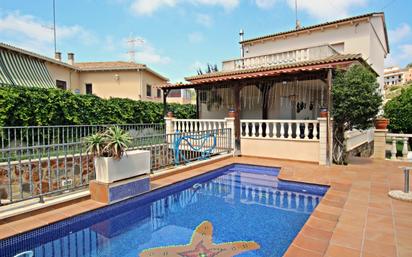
column 329, row 119
column 379, row 144
column 236, row 92
column 165, row 94
column 323, row 145
column 197, row 104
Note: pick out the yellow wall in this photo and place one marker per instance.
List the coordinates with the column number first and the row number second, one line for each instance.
column 106, row 85
column 281, row 149
column 124, row 84
column 154, row 81
column 59, row 72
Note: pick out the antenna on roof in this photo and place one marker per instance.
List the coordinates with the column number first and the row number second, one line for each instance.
column 133, row 42
column 298, row 25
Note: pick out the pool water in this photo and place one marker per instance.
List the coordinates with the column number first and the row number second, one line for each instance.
column 241, row 202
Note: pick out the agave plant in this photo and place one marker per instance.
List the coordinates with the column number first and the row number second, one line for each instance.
column 96, row 144
column 117, row 141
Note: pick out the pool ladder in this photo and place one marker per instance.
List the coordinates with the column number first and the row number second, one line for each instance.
column 25, row 254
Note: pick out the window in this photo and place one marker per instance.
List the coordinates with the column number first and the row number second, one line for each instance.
column 89, row 89
column 148, row 90
column 159, row 93
column 60, row 84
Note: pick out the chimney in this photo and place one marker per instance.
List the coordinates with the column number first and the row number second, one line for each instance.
column 242, row 50
column 58, row 56
column 70, row 58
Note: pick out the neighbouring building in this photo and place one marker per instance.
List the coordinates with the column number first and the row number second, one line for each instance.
column 281, row 82
column 394, row 76
column 136, row 81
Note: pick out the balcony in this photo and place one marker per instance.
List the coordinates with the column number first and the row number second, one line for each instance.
column 287, row 57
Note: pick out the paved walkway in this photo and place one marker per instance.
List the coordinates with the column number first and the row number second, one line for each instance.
column 355, row 218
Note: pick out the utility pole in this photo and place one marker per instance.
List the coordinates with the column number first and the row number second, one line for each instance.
column 54, row 25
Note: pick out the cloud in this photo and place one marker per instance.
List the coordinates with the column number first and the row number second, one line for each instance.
column 148, row 7
column 195, row 37
column 28, row 32
column 265, row 4
column 227, row 4
column 327, row 9
column 399, row 33
column 204, row 20
column 400, row 55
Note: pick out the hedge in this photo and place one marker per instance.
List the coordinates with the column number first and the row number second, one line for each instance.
column 22, row 106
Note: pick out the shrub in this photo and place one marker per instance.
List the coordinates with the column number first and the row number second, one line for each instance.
column 399, row 112
column 22, row 106
column 356, row 103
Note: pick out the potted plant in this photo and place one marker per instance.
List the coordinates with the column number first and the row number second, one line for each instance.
column 323, row 112
column 381, row 122
column 232, row 113
column 110, row 158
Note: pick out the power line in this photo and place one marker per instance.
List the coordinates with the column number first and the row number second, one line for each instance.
column 388, row 4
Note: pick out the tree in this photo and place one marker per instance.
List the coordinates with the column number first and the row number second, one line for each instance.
column 409, row 65
column 399, row 112
column 356, row 102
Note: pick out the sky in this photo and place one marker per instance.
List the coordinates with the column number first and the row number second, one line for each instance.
column 176, row 37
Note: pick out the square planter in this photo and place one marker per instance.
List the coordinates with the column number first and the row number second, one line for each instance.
column 133, row 164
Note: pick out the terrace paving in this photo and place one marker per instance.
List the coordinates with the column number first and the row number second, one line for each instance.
column 355, row 218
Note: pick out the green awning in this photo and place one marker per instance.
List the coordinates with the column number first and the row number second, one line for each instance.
column 21, row 70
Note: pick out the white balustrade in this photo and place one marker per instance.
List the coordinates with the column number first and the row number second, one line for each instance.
column 280, row 129
column 403, row 138
column 355, row 138
column 292, row 56
column 192, row 125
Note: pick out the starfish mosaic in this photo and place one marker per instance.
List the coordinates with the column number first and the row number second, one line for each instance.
column 201, row 245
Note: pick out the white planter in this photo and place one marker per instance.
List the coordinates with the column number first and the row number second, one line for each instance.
column 133, row 164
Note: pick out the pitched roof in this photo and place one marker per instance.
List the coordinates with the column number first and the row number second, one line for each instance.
column 116, row 65
column 85, row 66
column 320, row 26
column 35, row 55
column 329, row 60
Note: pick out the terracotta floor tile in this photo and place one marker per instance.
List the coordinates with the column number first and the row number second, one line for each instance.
column 295, row 251
column 6, row 231
column 316, row 233
column 379, row 248
column 311, row 244
column 347, row 239
column 339, row 251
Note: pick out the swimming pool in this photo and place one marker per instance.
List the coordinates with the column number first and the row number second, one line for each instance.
column 242, row 203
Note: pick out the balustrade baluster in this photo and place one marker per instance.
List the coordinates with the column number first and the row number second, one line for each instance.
column 260, row 129
column 306, row 130
column 275, row 130
column 247, row 129
column 282, row 130
column 290, row 130
column 393, row 151
column 253, row 130
column 267, row 129
column 405, row 148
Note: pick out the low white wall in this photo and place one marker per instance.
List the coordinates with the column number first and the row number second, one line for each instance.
column 281, row 149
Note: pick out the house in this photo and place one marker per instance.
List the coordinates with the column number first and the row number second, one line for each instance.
column 394, row 76
column 397, row 76
column 282, row 81
column 136, row 81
